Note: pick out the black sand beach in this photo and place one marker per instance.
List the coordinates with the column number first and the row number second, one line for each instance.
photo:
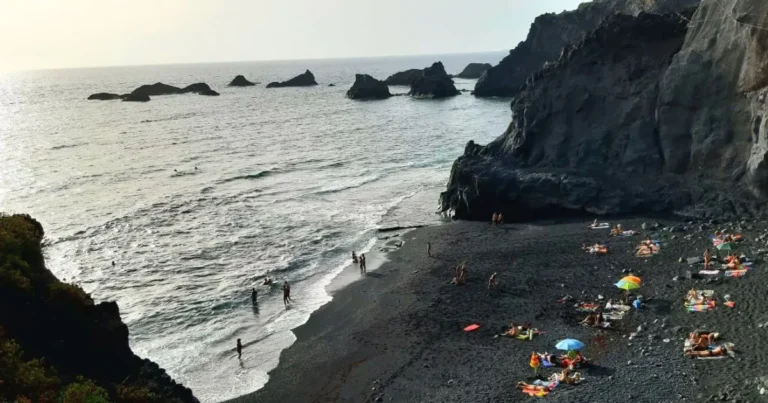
column 397, row 335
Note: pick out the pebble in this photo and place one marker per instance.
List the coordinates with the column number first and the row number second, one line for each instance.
column 629, row 362
column 666, row 340
column 450, row 381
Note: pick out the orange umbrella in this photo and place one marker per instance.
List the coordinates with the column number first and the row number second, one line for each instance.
column 632, row 279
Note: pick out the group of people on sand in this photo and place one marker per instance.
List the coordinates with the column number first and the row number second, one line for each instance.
column 361, row 261
column 704, row 344
column 497, row 219
column 460, row 274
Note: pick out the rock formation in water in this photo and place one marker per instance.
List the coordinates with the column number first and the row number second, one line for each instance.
column 103, row 96
column 403, row 77
column 198, row 88
column 474, row 70
column 59, row 324
column 623, row 123
column 156, row 89
column 433, row 82
column 367, row 87
column 137, row 97
column 240, row 81
column 305, row 79
column 550, row 33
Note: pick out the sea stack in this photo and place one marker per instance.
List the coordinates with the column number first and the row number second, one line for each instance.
column 474, row 70
column 404, row 78
column 240, row 81
column 156, row 89
column 198, row 88
column 433, row 82
column 367, row 87
column 137, row 97
column 103, row 96
column 305, row 79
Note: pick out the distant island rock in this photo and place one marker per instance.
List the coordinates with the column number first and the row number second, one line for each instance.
column 404, row 77
column 433, row 82
column 240, row 81
column 305, row 79
column 474, row 70
column 103, row 96
column 367, row 87
column 138, row 97
column 143, row 93
column 331, row 85
column 200, row 89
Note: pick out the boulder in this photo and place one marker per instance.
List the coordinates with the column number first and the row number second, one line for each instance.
column 198, row 88
column 550, row 33
column 135, row 97
column 367, row 87
column 433, row 82
column 331, row 85
column 404, row 77
column 474, row 70
column 103, row 96
column 240, row 81
column 305, row 79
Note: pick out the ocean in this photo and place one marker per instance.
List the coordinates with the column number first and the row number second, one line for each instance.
column 196, row 199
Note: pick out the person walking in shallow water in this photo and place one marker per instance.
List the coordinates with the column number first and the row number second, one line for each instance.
column 362, row 263
column 286, row 293
column 239, row 349
column 253, row 296
column 429, row 248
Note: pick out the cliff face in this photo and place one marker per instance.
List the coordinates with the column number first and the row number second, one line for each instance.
column 624, row 122
column 60, row 323
column 550, row 33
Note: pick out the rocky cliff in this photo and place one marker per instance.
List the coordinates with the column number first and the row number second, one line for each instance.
column 52, row 334
column 549, row 33
column 623, row 122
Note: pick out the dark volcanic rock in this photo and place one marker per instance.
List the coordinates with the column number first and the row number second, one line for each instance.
column 433, row 82
column 331, row 85
column 550, row 33
column 367, row 87
column 198, row 88
column 305, row 79
column 474, row 70
column 240, row 81
column 103, row 96
column 60, row 324
column 156, row 89
column 404, row 77
column 597, row 132
column 135, row 97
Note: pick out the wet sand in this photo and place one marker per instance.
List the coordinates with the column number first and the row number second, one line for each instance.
column 396, row 335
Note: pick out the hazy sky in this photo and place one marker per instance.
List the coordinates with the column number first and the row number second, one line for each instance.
column 71, row 33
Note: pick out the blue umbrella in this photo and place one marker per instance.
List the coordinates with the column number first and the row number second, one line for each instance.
column 569, row 344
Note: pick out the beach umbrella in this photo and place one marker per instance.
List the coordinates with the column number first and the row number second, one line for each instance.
column 724, row 246
column 632, row 279
column 627, row 286
column 569, row 344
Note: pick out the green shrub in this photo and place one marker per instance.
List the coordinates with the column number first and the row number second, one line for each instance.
column 83, row 391
column 64, row 293
column 24, row 379
column 134, row 394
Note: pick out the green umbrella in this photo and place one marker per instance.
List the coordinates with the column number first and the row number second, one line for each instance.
column 626, row 286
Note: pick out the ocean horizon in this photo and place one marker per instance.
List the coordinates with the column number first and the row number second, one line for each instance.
column 198, row 199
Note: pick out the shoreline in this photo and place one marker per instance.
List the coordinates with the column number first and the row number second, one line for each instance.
column 397, row 336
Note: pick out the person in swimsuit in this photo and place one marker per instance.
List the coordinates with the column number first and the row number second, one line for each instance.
column 354, row 257
column 253, row 296
column 362, row 262
column 707, row 258
column 239, row 349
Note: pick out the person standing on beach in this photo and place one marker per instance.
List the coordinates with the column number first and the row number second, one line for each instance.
column 429, row 248
column 253, row 296
column 494, row 218
column 286, row 293
column 239, row 349
column 492, row 281
column 500, row 219
column 707, row 258
column 362, row 263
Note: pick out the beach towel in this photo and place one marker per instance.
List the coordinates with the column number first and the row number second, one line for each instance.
column 709, row 272
column 735, row 273
column 614, row 315
column 628, row 233
column 530, row 390
column 700, row 307
column 729, row 304
column 602, row 225
column 587, row 307
column 707, row 293
column 471, row 328
column 544, row 362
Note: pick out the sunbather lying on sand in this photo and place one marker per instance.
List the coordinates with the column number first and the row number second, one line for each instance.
column 565, row 377
column 701, row 340
column 716, row 351
column 595, row 249
column 533, row 390
column 593, row 319
column 694, row 297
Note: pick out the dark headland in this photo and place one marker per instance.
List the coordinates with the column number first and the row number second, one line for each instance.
column 56, row 344
column 620, row 109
